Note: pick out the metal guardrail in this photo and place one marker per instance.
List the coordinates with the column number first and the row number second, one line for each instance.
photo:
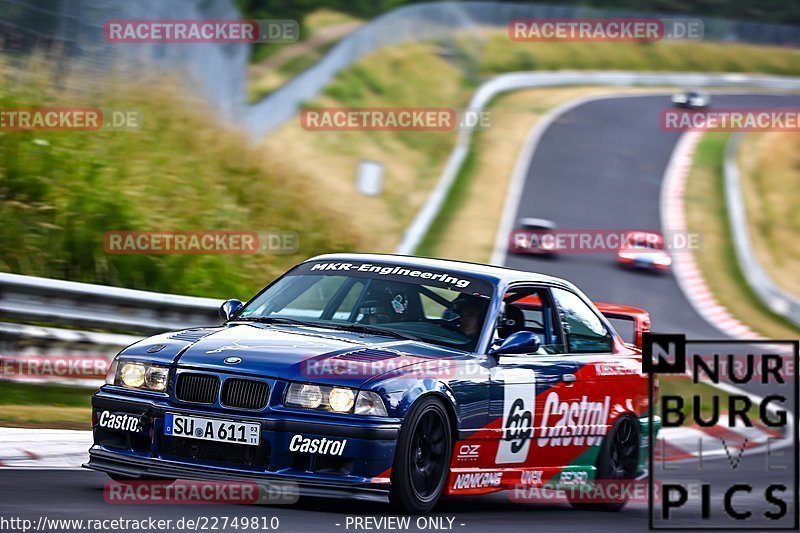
column 50, row 301
column 773, row 296
column 422, row 222
column 82, row 305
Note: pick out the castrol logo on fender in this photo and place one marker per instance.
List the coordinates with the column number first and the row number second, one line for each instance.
column 576, row 423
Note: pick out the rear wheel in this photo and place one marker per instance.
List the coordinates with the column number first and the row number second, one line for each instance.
column 616, row 465
column 422, row 458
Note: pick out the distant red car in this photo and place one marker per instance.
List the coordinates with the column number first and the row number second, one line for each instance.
column 644, row 250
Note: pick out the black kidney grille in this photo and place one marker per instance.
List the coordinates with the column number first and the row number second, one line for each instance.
column 245, row 393
column 197, row 388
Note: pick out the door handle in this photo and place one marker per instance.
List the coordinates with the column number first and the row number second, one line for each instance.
column 569, row 378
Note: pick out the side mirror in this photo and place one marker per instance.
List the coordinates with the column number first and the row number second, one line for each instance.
column 229, row 308
column 517, row 343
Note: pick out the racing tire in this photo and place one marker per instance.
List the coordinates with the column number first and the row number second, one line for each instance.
column 422, row 458
column 617, row 463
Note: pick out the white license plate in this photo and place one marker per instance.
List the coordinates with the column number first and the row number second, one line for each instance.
column 195, row 427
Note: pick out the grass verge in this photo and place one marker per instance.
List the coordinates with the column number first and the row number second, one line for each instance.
column 706, row 214
column 769, row 164
column 45, row 406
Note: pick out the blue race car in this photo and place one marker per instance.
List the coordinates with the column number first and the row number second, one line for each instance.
column 385, row 377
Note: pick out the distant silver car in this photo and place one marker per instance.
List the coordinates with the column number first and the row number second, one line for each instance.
column 691, row 99
column 533, row 236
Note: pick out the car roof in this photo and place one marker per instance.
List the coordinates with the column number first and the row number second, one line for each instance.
column 537, row 223
column 495, row 274
column 642, row 234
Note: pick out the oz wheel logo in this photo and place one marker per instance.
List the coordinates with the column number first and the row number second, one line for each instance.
column 518, row 426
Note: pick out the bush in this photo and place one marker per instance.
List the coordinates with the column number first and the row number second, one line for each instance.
column 184, row 170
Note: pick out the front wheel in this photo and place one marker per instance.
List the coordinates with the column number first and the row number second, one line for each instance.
column 422, row 458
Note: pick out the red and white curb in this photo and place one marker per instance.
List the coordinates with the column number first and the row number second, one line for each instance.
column 673, row 219
column 43, row 448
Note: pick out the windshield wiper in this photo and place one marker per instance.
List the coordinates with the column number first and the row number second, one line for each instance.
column 278, row 320
column 369, row 328
column 359, row 328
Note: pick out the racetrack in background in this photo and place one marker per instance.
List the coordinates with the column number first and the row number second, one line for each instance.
column 599, row 165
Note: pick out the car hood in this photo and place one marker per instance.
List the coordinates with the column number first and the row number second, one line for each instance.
column 293, row 353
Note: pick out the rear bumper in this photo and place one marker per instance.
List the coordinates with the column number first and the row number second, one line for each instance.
column 358, row 472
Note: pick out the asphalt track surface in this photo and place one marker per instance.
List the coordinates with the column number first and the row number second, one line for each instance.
column 597, row 166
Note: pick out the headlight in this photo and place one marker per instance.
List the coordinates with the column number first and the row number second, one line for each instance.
column 132, row 375
column 370, row 403
column 341, row 400
column 335, row 399
column 138, row 376
column 156, row 378
column 310, row 396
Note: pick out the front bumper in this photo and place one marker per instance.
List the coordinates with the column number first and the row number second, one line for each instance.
column 358, row 473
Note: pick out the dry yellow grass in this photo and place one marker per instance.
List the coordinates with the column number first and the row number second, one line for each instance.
column 413, row 160
column 706, row 214
column 770, row 170
column 46, row 416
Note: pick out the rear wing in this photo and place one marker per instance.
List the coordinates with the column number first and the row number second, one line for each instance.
column 639, row 317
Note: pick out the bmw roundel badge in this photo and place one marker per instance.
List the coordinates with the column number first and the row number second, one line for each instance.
column 233, row 360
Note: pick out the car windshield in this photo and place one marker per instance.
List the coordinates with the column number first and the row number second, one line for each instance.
column 648, row 241
column 447, row 309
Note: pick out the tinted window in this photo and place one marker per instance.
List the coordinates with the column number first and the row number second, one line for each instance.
column 585, row 331
column 436, row 307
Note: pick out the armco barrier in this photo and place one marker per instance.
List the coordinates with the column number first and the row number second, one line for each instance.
column 778, row 300
column 528, row 80
column 50, row 301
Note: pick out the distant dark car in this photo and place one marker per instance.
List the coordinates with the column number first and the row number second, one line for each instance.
column 533, row 236
column 691, row 100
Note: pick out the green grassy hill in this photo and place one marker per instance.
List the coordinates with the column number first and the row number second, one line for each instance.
column 184, row 170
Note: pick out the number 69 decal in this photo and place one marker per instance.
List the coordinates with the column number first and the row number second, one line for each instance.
column 519, row 402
